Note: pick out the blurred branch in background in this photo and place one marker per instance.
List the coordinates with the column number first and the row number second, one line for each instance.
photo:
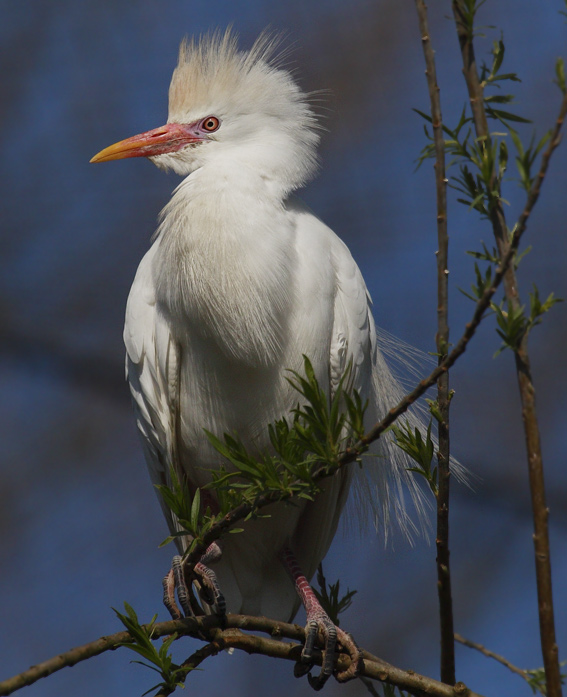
column 91, row 372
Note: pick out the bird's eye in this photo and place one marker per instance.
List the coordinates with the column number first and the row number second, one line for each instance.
column 210, row 124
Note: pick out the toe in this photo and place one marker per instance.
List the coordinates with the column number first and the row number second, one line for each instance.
column 356, row 662
column 169, row 596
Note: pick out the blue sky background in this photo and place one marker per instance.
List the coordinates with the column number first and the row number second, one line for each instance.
column 79, row 523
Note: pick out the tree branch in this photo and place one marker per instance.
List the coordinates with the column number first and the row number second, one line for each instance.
column 504, row 661
column 443, row 399
column 231, row 636
column 526, row 386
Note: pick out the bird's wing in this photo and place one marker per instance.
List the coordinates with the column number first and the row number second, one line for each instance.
column 383, row 485
column 352, row 342
column 152, row 371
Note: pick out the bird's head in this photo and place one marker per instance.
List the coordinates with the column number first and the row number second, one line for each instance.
column 231, row 110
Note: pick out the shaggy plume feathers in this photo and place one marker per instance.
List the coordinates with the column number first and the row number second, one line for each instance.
column 251, row 90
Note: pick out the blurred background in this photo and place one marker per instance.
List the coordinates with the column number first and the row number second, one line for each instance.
column 79, row 522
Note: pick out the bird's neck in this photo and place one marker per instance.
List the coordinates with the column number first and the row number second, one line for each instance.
column 224, row 267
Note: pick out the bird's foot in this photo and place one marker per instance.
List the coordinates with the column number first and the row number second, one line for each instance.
column 180, row 579
column 318, row 621
column 335, row 639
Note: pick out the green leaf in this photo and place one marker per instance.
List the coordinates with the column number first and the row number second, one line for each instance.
column 499, row 99
column 141, row 644
column 420, row 449
column 303, row 449
column 434, row 409
column 560, row 74
column 505, row 116
column 196, row 509
column 498, row 52
column 486, row 255
column 506, row 76
column 330, row 598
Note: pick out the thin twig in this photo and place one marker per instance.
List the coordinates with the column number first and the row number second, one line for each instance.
column 527, row 390
column 233, row 637
column 443, row 399
column 504, row 661
column 554, row 141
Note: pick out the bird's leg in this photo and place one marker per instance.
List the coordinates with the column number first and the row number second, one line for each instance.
column 319, row 621
column 180, row 578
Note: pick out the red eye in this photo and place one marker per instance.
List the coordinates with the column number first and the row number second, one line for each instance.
column 210, row 124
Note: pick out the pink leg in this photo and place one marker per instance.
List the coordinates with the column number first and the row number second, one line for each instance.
column 204, row 579
column 319, row 621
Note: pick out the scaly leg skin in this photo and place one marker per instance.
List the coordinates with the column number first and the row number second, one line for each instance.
column 202, row 577
column 319, row 621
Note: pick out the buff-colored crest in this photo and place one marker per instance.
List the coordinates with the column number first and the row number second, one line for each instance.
column 213, row 73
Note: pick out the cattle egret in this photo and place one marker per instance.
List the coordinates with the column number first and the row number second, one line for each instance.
column 240, row 282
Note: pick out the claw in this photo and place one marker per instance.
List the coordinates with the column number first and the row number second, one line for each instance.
column 311, row 633
column 321, row 623
column 203, row 578
column 300, row 669
column 181, row 585
column 210, row 591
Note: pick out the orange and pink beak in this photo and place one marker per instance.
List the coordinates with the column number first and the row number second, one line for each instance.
column 169, row 138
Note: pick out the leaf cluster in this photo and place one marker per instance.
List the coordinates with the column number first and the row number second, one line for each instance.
column 536, row 679
column 420, row 449
column 467, row 14
column 492, row 257
column 187, row 509
column 329, row 597
column 483, row 160
column 482, row 163
column 514, row 324
column 304, row 448
column 490, row 77
column 483, row 283
column 158, row 660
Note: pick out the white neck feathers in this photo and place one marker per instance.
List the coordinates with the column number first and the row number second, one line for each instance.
column 223, row 270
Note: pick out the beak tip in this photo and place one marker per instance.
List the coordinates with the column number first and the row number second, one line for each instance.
column 97, row 157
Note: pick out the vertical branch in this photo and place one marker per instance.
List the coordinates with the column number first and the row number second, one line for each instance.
column 443, row 398
column 476, row 98
column 540, row 511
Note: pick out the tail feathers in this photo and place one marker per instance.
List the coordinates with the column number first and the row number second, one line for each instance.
column 384, row 490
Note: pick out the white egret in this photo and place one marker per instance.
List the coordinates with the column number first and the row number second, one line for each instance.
column 240, row 282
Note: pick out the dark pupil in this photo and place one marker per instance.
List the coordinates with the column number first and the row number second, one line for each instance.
column 210, row 123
